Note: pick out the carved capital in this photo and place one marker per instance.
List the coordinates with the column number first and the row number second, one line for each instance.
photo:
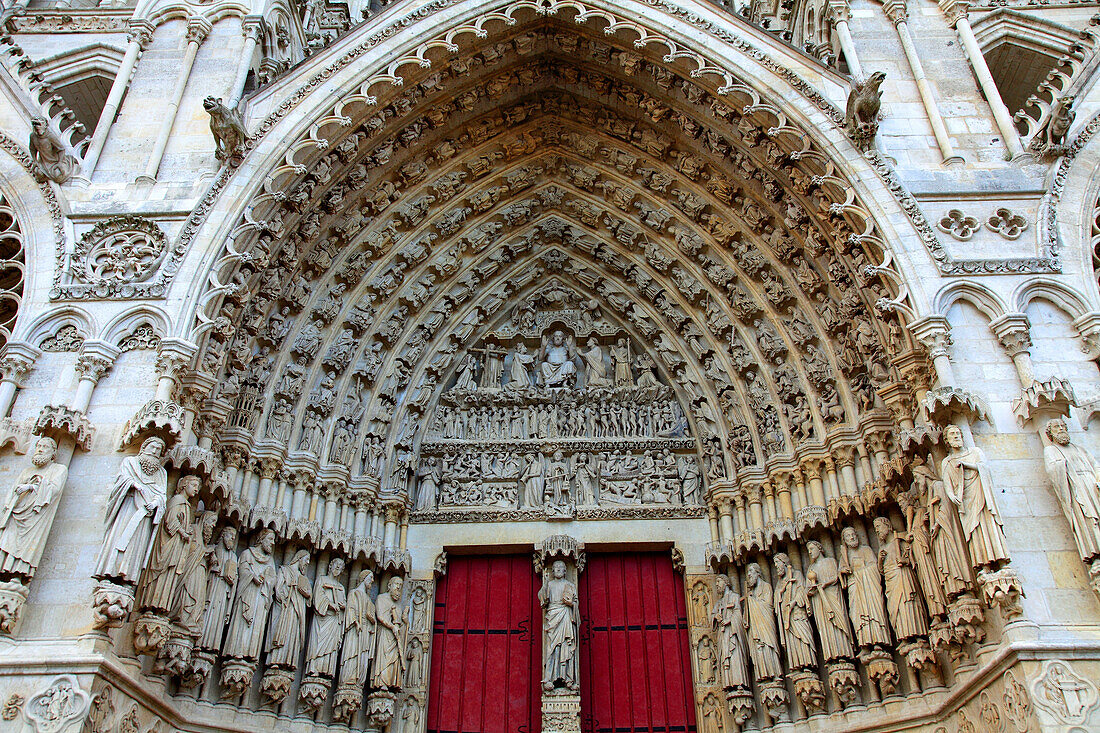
column 95, row 358
column 934, row 334
column 18, row 360
column 954, row 10
column 141, row 32
column 896, row 11
column 838, row 11
column 252, row 26
column 233, row 456
column 1088, row 327
column 198, row 28
column 1013, row 330
column 174, row 355
column 268, row 468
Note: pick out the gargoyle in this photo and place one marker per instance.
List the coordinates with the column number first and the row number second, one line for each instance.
column 862, row 113
column 227, row 128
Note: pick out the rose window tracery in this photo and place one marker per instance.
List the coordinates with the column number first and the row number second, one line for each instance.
column 118, row 252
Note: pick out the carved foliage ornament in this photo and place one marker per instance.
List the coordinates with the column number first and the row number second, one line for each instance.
column 115, row 254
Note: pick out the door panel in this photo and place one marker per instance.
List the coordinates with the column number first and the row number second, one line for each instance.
column 485, row 657
column 635, row 668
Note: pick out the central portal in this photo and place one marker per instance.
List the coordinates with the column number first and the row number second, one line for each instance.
column 635, row 665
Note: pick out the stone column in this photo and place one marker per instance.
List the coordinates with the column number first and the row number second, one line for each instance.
column 92, row 362
column 252, row 26
column 899, row 15
column 838, row 15
column 197, row 30
column 956, row 12
column 141, row 32
column 1013, row 330
column 18, row 360
column 559, row 560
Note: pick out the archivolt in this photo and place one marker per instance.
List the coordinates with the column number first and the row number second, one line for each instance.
column 708, row 225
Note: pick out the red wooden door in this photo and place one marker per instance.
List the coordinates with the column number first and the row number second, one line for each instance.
column 635, row 668
column 486, row 648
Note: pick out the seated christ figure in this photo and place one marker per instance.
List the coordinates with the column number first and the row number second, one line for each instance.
column 556, row 362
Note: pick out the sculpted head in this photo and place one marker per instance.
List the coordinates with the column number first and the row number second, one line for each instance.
column 336, row 567
column 301, row 559
column 782, row 564
column 189, row 486
column 209, row 522
column 557, row 338
column 953, row 436
column 394, row 587
column 883, row 528
column 38, row 124
column 366, row 578
column 753, row 574
column 1058, row 432
column 44, row 451
column 721, row 584
column 558, row 569
column 153, row 447
column 813, row 547
column 229, row 538
column 266, row 541
column 850, row 538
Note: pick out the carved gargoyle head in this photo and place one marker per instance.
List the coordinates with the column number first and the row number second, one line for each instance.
column 874, row 81
column 211, row 103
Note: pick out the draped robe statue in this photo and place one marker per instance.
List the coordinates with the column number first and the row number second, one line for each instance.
column 292, row 594
column 859, row 572
column 727, row 620
column 167, row 562
column 760, row 623
column 827, row 603
column 792, row 608
column 134, row 511
column 359, row 623
column 519, row 376
column 595, row 371
column 389, row 659
column 329, row 602
column 558, row 597
column 556, row 362
column 190, row 601
column 915, row 504
column 219, row 590
column 620, row 354
column 903, row 598
column 970, row 487
column 952, row 566
column 1076, row 479
column 29, row 510
column 255, row 580
column 533, row 482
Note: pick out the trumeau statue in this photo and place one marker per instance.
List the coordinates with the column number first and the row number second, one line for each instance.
column 827, row 603
column 329, row 602
column 255, row 580
column 760, row 624
column 389, row 660
column 359, row 625
column 292, row 594
column 219, row 590
column 792, row 608
column 556, row 361
column 969, row 486
column 170, row 549
column 29, row 509
column 903, row 597
column 1076, row 479
column 558, row 597
column 728, row 621
column 134, row 511
column 859, row 572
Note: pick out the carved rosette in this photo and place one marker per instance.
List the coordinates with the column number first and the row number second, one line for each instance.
column 13, row 595
column 59, row 421
column 163, row 418
column 115, row 258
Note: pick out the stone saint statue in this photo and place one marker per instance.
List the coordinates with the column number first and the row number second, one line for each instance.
column 952, row 567
column 1076, row 480
column 292, row 594
column 467, row 374
column 170, row 550
column 428, row 475
column 255, row 580
column 760, row 623
column 29, row 510
column 595, row 371
column 558, row 597
column 556, row 364
column 533, row 481
column 519, row 374
column 389, row 659
column 190, row 601
column 827, row 603
column 727, row 620
column 903, row 597
column 557, row 490
column 359, row 623
column 134, row 510
column 969, row 486
column 915, row 504
column 620, row 354
column 329, row 602
column 219, row 590
column 859, row 572
column 792, row 608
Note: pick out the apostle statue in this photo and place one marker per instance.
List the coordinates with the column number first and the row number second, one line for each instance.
column 969, row 486
column 620, row 354
column 760, row 623
column 168, row 559
column 255, row 580
column 556, row 361
column 585, row 472
column 359, row 623
column 329, row 602
column 533, row 481
column 292, row 593
column 595, row 371
column 945, row 531
column 827, row 603
column 792, row 608
column 727, row 620
column 558, row 597
column 219, row 590
column 134, row 511
column 190, row 601
column 915, row 504
column 389, row 659
column 519, row 375
column 860, row 574
column 29, row 510
column 1076, row 479
column 428, row 475
column 903, row 598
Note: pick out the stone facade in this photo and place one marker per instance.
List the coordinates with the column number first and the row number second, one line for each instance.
column 299, row 297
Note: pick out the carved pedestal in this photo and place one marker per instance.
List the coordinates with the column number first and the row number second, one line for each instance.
column 236, row 676
column 774, row 698
column 380, row 707
column 276, row 682
column 175, row 655
column 151, row 632
column 966, row 616
column 739, row 701
column 844, row 681
column 111, row 604
column 811, row 693
column 882, row 670
column 313, row 692
column 198, row 671
column 349, row 698
column 561, row 712
column 1003, row 588
column 13, row 594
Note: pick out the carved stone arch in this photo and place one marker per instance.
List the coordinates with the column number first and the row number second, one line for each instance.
column 1078, row 218
column 1069, row 300
column 124, row 325
column 67, row 327
column 981, row 297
